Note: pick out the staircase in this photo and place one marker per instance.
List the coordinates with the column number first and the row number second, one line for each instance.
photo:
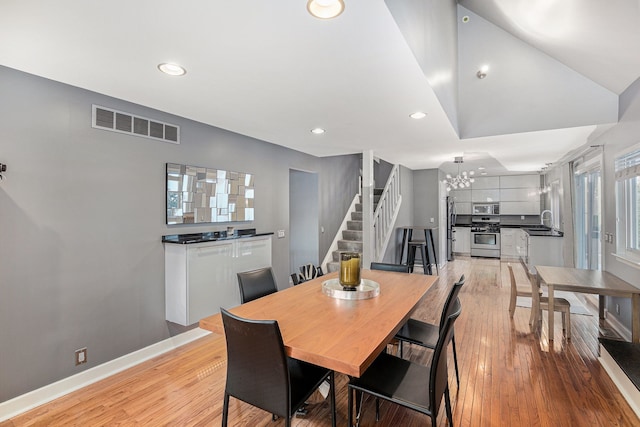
column 352, row 237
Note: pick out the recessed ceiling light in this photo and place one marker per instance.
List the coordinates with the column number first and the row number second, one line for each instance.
column 172, row 69
column 317, row 131
column 481, row 168
column 483, row 173
column 325, row 9
column 418, row 115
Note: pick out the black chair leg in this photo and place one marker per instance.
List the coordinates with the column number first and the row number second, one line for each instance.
column 377, row 409
column 350, row 392
column 332, row 391
column 455, row 357
column 225, row 410
column 447, row 405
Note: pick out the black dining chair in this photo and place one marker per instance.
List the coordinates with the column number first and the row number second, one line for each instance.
column 399, row 268
column 255, row 284
column 260, row 373
column 427, row 334
column 412, row 385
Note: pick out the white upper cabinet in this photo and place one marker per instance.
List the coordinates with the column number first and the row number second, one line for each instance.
column 486, row 182
column 485, row 196
column 519, row 195
column 463, row 195
column 520, row 181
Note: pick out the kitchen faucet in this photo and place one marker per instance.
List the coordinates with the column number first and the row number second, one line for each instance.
column 550, row 218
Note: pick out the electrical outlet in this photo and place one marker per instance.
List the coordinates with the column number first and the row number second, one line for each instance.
column 280, row 234
column 521, row 216
column 81, row 356
column 432, row 220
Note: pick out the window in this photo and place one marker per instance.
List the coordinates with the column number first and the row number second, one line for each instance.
column 628, row 206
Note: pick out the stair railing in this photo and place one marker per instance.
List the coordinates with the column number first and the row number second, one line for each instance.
column 386, row 213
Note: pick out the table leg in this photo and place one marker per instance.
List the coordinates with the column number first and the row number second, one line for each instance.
column 601, row 304
column 551, row 311
column 635, row 318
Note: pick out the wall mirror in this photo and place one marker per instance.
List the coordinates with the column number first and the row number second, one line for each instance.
column 198, row 195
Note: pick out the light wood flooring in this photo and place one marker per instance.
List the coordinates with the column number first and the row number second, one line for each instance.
column 510, row 376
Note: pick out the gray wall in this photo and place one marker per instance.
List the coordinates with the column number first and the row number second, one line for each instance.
column 82, row 215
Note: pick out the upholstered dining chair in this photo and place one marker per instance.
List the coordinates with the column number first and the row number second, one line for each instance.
column 255, row 284
column 399, row 268
column 426, row 335
column 412, row 385
column 520, row 290
column 260, row 373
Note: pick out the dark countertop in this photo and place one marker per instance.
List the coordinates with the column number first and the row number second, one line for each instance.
column 210, row 236
column 544, row 233
column 536, row 230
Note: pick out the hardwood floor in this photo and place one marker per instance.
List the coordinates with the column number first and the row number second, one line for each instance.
column 510, row 376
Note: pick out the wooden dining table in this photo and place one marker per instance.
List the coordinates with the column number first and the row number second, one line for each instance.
column 597, row 282
column 340, row 334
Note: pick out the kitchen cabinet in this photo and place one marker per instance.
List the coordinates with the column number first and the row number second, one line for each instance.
column 521, row 239
column 462, row 199
column 508, row 238
column 484, row 196
column 461, row 195
column 486, row 182
column 520, row 208
column 545, row 250
column 520, row 195
column 463, row 208
column 462, row 242
column 201, row 277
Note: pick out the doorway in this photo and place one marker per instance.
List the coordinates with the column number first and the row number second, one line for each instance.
column 303, row 219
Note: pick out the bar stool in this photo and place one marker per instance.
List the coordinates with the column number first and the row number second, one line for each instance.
column 429, row 256
column 411, row 255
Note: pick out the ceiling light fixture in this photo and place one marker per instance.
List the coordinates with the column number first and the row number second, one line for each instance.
column 172, row 69
column 482, row 72
column 325, row 9
column 418, row 115
column 317, row 131
column 463, row 180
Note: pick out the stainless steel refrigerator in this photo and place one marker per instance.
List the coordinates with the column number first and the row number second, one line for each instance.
column 451, row 222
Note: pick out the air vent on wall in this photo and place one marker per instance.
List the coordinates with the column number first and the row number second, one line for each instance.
column 117, row 121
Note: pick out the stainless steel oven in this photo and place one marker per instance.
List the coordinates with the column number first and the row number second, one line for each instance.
column 485, row 237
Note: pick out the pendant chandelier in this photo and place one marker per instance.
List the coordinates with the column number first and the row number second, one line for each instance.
column 462, row 180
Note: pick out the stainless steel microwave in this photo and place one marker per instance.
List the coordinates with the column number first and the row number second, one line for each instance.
column 486, row 209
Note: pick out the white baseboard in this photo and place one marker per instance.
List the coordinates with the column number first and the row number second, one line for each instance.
column 621, row 329
column 620, row 379
column 32, row 399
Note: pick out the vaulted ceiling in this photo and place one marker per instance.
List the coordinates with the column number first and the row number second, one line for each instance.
column 270, row 71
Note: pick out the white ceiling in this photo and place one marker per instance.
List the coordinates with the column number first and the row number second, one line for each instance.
column 271, row 71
